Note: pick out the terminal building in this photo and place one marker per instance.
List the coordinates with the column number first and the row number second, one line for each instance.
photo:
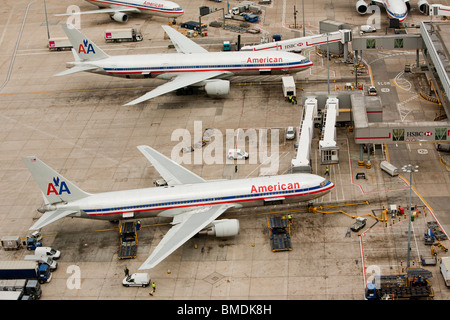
column 364, row 113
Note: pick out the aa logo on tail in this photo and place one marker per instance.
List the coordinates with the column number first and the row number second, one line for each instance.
column 86, row 47
column 52, row 187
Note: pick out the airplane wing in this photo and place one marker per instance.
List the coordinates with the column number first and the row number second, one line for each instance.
column 171, row 171
column 180, row 81
column 181, row 43
column 50, row 217
column 111, row 10
column 185, row 226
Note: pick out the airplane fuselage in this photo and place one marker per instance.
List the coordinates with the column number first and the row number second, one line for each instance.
column 396, row 9
column 172, row 200
column 155, row 7
column 233, row 63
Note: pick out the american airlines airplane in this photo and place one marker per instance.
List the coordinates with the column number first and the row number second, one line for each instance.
column 191, row 66
column 192, row 202
column 396, row 9
column 118, row 10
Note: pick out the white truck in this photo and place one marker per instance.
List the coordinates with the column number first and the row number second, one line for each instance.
column 389, row 168
column 288, row 86
column 42, row 259
column 445, row 270
column 118, row 35
column 59, row 44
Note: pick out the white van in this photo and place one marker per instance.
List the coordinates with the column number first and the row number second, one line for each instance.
column 389, row 168
column 47, row 251
column 136, row 280
column 237, row 154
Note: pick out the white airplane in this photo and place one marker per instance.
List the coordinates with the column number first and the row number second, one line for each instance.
column 191, row 66
column 396, row 9
column 118, row 10
column 192, row 202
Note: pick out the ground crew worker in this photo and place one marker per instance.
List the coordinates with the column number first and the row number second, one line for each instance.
column 138, row 225
column 153, row 286
column 327, row 171
column 290, row 218
column 127, row 272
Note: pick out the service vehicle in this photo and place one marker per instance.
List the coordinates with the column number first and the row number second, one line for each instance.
column 42, row 260
column 58, row 44
column 237, row 154
column 367, row 28
column 372, row 91
column 120, row 35
column 48, row 252
column 29, row 289
column 136, row 280
column 25, row 270
column 359, row 224
column 290, row 133
column 389, row 168
column 11, row 243
column 445, row 270
column 289, row 89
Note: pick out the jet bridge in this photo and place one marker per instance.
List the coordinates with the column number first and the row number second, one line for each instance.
column 302, row 163
column 298, row 44
column 329, row 151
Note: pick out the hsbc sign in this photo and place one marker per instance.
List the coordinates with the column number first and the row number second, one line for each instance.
column 418, row 134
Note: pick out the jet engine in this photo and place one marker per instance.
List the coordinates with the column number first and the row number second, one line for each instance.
column 222, row 228
column 424, row 6
column 119, row 17
column 217, row 87
column 361, row 7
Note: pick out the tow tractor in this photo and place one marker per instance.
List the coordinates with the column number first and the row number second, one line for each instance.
column 34, row 241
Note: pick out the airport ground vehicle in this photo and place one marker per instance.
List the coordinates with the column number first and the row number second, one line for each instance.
column 48, row 252
column 25, row 270
column 24, row 289
column 359, row 224
column 288, row 86
column 443, row 147
column 128, row 240
column 237, row 154
column 194, row 25
column 119, row 35
column 290, row 133
column 372, row 91
column 42, row 260
column 368, row 28
column 445, row 270
column 389, row 168
column 58, row 44
column 136, row 280
column 11, row 243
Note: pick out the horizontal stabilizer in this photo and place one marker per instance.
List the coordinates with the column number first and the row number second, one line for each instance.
column 50, row 217
column 75, row 70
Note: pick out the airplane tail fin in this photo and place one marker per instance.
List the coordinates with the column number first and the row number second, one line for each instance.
column 83, row 47
column 54, row 186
